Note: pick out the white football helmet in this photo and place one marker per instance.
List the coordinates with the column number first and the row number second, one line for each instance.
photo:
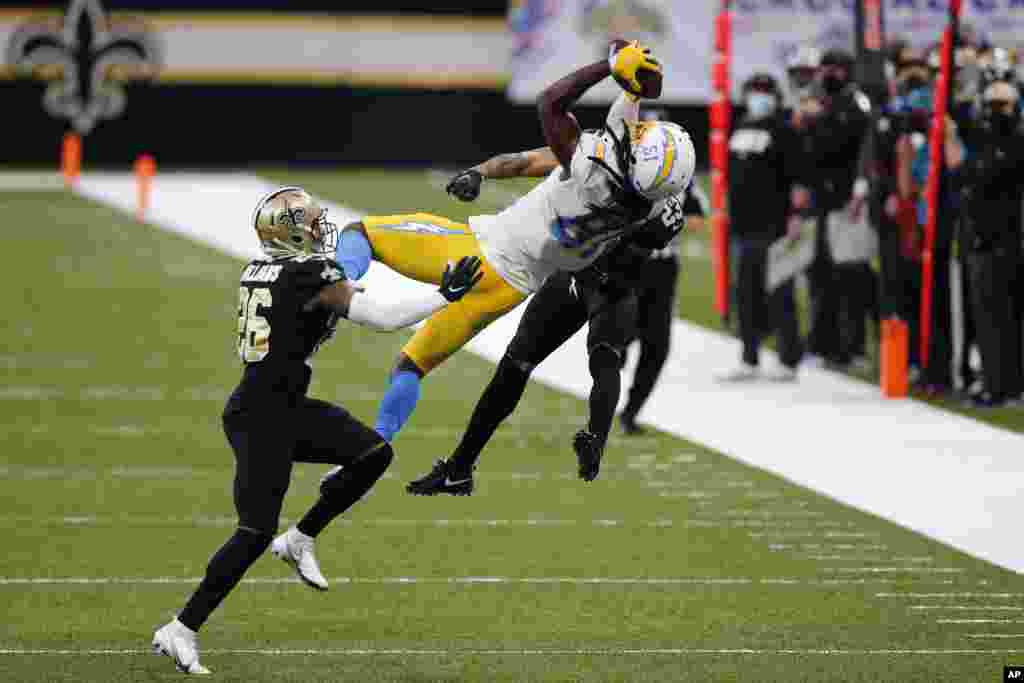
column 665, row 159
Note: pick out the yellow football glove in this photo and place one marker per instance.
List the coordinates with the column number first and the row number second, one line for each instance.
column 626, row 61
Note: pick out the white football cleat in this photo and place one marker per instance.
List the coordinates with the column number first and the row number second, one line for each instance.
column 296, row 548
column 178, row 642
column 741, row 373
column 783, row 373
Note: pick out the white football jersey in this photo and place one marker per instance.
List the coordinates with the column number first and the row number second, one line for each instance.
column 536, row 236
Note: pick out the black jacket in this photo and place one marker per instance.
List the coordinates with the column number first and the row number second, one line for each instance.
column 833, row 142
column 991, row 185
column 765, row 160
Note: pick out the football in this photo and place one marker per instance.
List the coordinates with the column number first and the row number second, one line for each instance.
column 650, row 82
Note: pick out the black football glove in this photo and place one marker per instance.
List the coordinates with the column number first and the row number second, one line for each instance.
column 465, row 186
column 455, row 282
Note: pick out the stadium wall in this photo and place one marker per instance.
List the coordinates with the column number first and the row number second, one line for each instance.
column 235, row 125
column 375, row 84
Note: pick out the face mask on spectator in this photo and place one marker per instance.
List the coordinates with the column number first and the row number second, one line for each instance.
column 760, row 105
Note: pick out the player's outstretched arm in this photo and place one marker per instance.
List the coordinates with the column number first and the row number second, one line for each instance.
column 366, row 309
column 625, row 61
column 626, row 108
column 532, row 163
column 561, row 130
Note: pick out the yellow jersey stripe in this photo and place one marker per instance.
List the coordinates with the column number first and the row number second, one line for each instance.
column 668, row 162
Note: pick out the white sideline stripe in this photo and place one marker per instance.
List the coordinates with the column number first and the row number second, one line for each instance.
column 462, row 580
column 995, row 635
column 524, row 653
column 977, row 465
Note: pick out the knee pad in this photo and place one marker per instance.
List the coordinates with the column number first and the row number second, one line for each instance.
column 362, row 473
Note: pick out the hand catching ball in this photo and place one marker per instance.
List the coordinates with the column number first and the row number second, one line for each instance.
column 635, row 69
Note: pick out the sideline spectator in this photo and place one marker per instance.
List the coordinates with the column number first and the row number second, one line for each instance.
column 833, row 123
column 991, row 188
column 765, row 165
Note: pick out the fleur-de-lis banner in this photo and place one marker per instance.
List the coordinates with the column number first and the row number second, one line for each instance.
column 85, row 58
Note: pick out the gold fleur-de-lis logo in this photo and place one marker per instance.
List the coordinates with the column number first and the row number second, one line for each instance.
column 85, row 57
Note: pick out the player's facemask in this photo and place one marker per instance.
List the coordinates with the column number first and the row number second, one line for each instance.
column 289, row 222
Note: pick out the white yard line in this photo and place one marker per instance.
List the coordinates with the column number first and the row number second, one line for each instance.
column 665, row 651
column 916, row 596
column 970, row 608
column 783, row 426
column 979, row 621
column 895, row 570
column 583, row 652
column 457, row 580
column 230, row 521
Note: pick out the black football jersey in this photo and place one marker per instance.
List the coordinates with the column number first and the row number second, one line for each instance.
column 276, row 336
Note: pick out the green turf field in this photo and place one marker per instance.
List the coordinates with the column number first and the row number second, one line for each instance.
column 678, row 564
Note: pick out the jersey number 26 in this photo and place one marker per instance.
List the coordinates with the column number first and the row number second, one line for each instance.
column 253, row 328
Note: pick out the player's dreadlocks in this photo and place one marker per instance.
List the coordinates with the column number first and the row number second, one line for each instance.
column 628, row 205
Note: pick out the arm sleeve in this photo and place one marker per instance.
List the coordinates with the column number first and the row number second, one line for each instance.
column 622, row 109
column 387, row 315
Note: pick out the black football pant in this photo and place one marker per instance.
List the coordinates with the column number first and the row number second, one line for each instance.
column 761, row 313
column 558, row 310
column 265, row 446
column 993, row 274
column 656, row 300
column 823, row 338
column 843, row 296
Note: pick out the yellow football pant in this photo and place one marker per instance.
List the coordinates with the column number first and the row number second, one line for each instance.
column 419, row 246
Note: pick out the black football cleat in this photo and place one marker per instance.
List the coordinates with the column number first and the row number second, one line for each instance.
column 589, row 451
column 442, row 479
